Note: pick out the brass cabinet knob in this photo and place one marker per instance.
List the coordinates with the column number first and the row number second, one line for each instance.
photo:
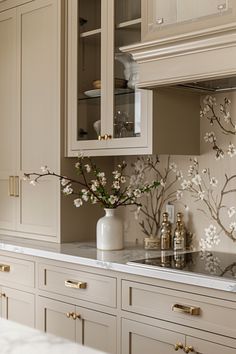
column 5, row 268
column 69, row 314
column 188, row 349
column 107, row 137
column 75, row 316
column 178, row 346
column 2, row 295
column 101, row 137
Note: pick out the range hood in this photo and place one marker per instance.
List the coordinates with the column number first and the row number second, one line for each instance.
column 203, row 63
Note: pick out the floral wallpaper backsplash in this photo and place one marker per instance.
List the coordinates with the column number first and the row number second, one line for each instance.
column 202, row 187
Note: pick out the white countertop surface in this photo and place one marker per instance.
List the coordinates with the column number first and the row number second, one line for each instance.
column 87, row 254
column 18, row 339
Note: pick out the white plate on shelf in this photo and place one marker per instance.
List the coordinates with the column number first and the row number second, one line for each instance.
column 97, row 92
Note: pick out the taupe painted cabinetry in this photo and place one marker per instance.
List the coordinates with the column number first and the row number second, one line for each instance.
column 87, row 327
column 17, row 298
column 163, row 18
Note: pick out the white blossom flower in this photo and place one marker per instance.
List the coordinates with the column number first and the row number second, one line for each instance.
column 137, row 212
column 204, row 171
column 227, row 117
column 116, row 185
column 77, row 164
column 179, row 175
column 162, row 182
column 85, row 195
column 232, row 226
column 94, row 185
column 33, row 182
column 179, row 194
column 103, row 181
column 137, row 193
column 231, row 211
column 44, row 169
column 81, row 154
column 64, row 182
column 112, row 199
column 186, row 184
column 209, row 100
column 203, row 244
column 122, row 179
column 116, row 174
column 78, row 202
column 213, row 182
column 139, row 165
column 231, row 150
column 173, row 166
column 93, row 199
column 210, row 137
column 190, row 170
column 220, row 155
column 129, row 192
column 212, row 238
column 87, row 168
column 195, row 161
column 68, row 189
column 197, row 180
column 201, row 195
column 101, row 175
column 210, row 231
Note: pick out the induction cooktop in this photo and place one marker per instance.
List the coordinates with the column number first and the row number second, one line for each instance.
column 205, row 263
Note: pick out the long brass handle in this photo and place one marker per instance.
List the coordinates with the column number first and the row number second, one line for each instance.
column 5, row 268
column 178, row 346
column 16, row 186
column 75, row 284
column 11, row 186
column 190, row 310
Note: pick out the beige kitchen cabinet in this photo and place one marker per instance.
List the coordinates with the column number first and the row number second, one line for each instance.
column 88, row 327
column 106, row 113
column 18, row 306
column 138, row 338
column 165, row 18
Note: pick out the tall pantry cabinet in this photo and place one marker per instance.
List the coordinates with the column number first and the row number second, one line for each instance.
column 31, row 121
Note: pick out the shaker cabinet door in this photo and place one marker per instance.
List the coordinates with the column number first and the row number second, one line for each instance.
column 140, row 338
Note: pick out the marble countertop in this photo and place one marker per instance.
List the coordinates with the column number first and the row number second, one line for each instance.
column 87, row 254
column 18, row 339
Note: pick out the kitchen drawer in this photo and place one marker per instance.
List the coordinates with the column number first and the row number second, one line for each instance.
column 15, row 271
column 181, row 307
column 81, row 285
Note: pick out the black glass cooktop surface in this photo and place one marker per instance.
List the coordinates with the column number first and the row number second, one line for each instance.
column 205, row 263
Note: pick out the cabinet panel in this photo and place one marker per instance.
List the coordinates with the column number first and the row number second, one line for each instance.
column 139, row 338
column 96, row 330
column 97, row 288
column 204, row 347
column 18, row 306
column 8, row 128
column 52, row 318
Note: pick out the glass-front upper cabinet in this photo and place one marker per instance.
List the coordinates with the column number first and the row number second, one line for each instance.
column 163, row 18
column 106, row 113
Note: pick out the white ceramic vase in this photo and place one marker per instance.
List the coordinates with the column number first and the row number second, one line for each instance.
column 110, row 235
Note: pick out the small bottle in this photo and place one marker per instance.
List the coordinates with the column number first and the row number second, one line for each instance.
column 165, row 233
column 179, row 240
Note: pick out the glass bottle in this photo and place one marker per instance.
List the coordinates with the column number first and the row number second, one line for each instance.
column 179, row 240
column 165, row 233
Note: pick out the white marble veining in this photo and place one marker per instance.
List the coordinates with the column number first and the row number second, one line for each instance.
column 87, row 254
column 18, row 339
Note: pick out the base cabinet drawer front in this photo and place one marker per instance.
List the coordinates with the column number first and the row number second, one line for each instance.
column 81, row 285
column 204, row 347
column 16, row 271
column 18, row 306
column 139, row 338
column 87, row 327
column 192, row 310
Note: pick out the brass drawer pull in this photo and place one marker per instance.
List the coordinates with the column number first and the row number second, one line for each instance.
column 4, row 268
column 75, row 284
column 178, row 346
column 191, row 310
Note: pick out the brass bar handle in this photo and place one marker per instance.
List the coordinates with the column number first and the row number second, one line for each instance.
column 5, row 268
column 190, row 310
column 16, row 186
column 75, row 284
column 11, row 186
column 178, row 346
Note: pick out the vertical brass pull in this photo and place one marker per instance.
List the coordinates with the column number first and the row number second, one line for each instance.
column 11, row 186
column 16, row 186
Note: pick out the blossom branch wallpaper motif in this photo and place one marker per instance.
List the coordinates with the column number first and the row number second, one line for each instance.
column 204, row 187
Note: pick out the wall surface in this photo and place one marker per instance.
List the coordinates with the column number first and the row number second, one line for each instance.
column 208, row 187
